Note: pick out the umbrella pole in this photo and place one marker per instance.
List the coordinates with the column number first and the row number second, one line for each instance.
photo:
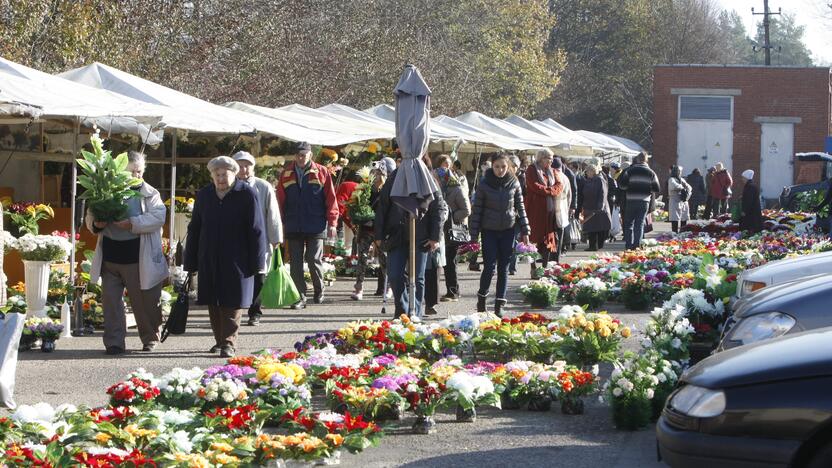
column 411, row 302
column 78, row 330
column 172, row 228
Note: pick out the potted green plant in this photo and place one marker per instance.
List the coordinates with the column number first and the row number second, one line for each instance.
column 106, row 181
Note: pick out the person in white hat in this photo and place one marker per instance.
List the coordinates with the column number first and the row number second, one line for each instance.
column 271, row 218
column 751, row 219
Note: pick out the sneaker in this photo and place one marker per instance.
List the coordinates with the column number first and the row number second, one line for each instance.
column 357, row 296
column 431, row 311
column 150, row 346
column 449, row 298
column 215, row 349
column 301, row 304
column 254, row 321
column 318, row 298
column 114, row 350
column 227, row 351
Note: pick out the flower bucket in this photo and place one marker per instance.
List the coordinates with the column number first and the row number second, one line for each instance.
column 509, row 403
column 540, row 404
column 631, row 414
column 572, row 406
column 424, row 425
column 659, row 399
column 332, row 460
column 47, row 346
column 388, row 414
column 37, row 286
column 465, row 415
column 27, row 342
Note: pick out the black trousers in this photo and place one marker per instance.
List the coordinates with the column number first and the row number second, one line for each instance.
column 709, row 207
column 597, row 239
column 694, row 209
column 255, row 310
column 675, row 225
column 431, row 287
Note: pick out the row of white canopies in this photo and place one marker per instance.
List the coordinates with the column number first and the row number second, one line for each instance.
column 119, row 102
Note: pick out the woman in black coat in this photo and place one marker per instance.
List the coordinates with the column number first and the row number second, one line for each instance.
column 697, row 194
column 227, row 246
column 595, row 209
column 752, row 213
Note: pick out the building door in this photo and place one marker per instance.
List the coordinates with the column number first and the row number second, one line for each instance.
column 776, row 152
column 705, row 132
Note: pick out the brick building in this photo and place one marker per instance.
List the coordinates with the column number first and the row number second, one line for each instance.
column 747, row 117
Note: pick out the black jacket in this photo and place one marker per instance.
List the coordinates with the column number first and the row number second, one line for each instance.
column 697, row 185
column 498, row 205
column 752, row 213
column 639, row 183
column 573, row 185
column 226, row 245
column 391, row 220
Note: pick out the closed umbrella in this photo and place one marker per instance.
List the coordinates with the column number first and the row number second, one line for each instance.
column 413, row 187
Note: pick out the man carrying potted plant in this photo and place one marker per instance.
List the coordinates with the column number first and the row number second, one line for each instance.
column 271, row 217
column 310, row 213
column 129, row 249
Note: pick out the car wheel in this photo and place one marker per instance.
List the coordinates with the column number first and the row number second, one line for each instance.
column 822, row 458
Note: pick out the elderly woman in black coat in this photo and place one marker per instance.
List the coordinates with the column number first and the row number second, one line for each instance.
column 227, row 246
column 595, row 209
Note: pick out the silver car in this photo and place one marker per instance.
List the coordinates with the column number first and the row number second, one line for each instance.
column 803, row 304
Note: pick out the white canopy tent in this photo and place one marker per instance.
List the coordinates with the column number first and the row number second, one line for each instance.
column 632, row 145
column 607, row 143
column 26, row 92
column 316, row 128
column 574, row 145
column 507, row 130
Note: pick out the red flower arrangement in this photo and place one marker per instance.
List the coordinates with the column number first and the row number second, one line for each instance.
column 134, row 459
column 112, row 414
column 239, row 417
column 132, row 391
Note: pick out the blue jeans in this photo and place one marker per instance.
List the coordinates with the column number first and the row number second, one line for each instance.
column 635, row 215
column 512, row 263
column 497, row 247
column 397, row 273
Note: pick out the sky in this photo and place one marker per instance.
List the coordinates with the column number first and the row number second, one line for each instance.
column 818, row 35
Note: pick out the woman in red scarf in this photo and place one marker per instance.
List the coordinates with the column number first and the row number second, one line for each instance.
column 542, row 186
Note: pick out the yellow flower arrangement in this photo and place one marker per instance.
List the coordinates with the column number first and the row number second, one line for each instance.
column 291, row 371
column 193, row 460
column 373, row 147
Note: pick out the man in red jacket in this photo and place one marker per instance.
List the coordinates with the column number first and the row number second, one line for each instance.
column 310, row 213
column 720, row 189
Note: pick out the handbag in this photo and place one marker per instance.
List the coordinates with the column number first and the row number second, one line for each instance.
column 459, row 233
column 278, row 288
column 178, row 319
column 575, row 231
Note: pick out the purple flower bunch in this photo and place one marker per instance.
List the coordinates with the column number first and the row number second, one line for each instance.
column 385, row 360
column 394, row 383
column 318, row 340
column 242, row 374
column 482, row 367
column 47, row 330
column 470, row 247
column 525, row 248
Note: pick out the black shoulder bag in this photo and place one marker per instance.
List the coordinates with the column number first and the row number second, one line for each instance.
column 178, row 319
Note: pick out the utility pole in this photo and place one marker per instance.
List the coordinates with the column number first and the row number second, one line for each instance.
column 766, row 23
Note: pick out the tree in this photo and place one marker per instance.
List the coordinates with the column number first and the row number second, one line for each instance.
column 786, row 37
column 487, row 55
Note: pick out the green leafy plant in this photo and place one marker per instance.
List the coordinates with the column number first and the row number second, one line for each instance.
column 106, row 180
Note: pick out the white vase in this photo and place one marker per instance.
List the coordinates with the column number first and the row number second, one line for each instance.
column 37, row 286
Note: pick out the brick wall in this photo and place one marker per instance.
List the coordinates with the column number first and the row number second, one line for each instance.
column 766, row 91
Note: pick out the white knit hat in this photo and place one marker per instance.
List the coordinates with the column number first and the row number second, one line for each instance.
column 748, row 174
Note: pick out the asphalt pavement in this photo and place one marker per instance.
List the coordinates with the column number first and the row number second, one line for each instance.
column 79, row 372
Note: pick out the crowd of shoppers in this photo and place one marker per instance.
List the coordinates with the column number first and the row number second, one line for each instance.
column 239, row 220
